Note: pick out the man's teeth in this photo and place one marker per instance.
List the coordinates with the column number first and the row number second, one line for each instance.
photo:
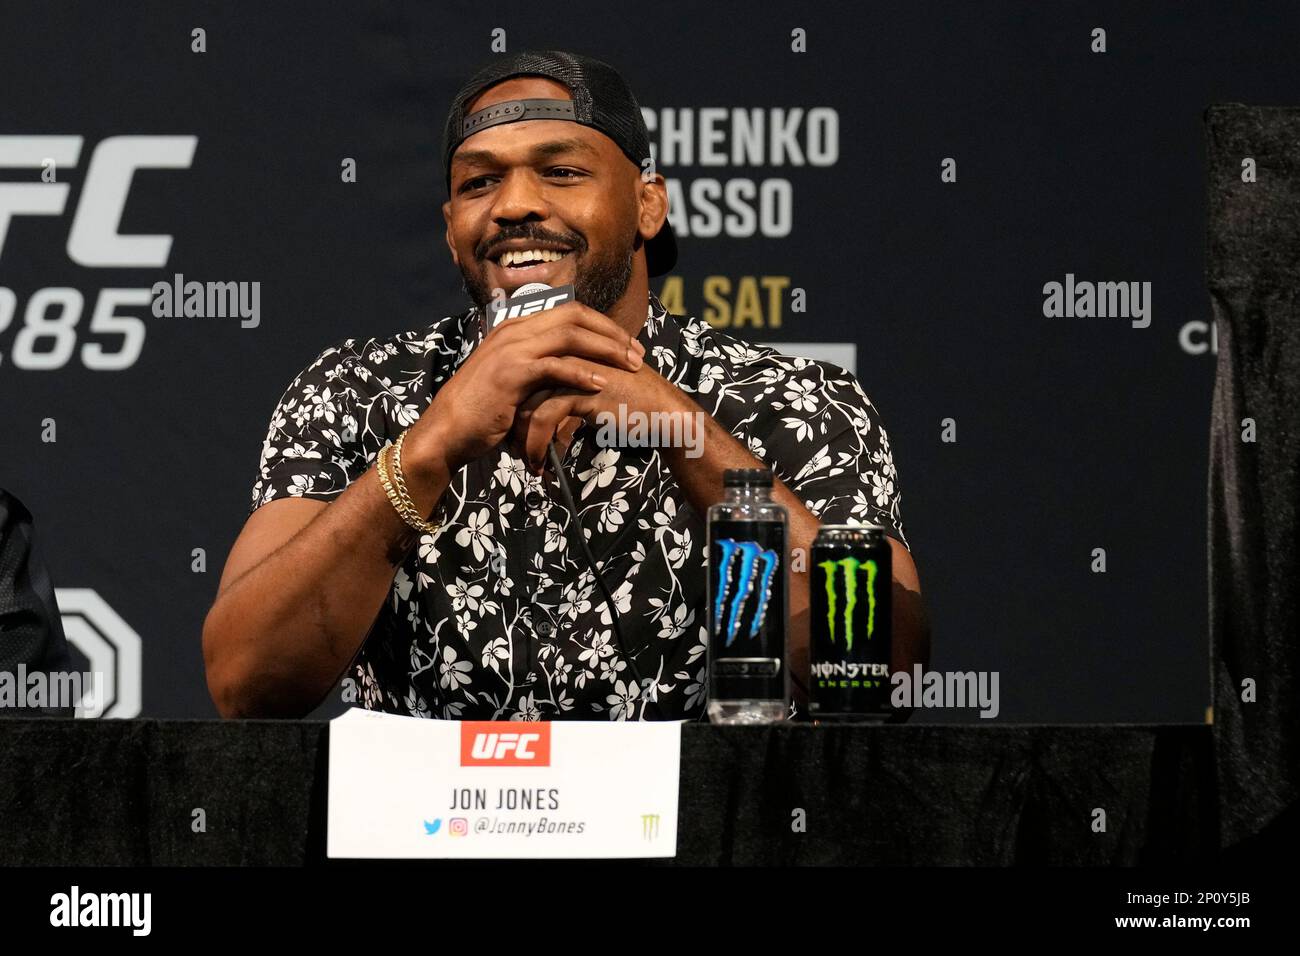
column 529, row 256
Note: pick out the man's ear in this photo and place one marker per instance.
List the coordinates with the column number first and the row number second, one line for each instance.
column 446, row 215
column 654, row 205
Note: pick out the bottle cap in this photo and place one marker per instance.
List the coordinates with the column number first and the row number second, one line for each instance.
column 741, row 477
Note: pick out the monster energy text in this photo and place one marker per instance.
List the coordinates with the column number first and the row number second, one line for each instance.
column 850, row 643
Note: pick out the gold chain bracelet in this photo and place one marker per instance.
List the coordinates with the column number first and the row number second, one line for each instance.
column 395, row 487
column 418, row 521
column 382, row 467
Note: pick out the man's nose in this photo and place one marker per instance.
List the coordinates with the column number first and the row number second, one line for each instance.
column 518, row 197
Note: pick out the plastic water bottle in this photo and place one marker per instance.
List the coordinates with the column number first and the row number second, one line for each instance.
column 749, row 680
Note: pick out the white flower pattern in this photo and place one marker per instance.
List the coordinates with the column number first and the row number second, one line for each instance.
column 496, row 617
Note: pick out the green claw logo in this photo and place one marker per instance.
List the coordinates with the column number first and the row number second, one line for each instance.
column 851, row 567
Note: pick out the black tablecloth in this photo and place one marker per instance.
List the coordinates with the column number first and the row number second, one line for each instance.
column 124, row 792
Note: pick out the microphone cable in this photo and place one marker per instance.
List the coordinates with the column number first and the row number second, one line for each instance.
column 567, row 495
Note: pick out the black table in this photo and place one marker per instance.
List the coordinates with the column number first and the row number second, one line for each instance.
column 110, row 792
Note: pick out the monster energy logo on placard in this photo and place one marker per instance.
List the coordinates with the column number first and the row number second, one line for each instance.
column 757, row 567
column 851, row 567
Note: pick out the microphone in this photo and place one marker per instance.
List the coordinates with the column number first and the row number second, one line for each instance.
column 529, row 299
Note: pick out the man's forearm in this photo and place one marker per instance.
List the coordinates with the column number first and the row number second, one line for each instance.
column 279, row 636
column 701, row 480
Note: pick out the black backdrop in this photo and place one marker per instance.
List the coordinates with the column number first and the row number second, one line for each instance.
column 1072, row 433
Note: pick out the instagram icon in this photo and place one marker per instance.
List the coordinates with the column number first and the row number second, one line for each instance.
column 458, row 826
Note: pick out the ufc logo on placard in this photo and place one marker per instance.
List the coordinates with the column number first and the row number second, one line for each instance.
column 487, row 743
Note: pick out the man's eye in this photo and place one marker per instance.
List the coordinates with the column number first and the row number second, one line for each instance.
column 563, row 171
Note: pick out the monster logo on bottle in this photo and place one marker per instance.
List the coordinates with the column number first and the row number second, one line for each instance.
column 850, row 628
column 757, row 567
column 749, row 681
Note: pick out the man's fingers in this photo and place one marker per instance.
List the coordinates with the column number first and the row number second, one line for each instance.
column 529, row 405
column 552, row 370
column 584, row 343
column 563, row 432
column 515, row 438
column 572, row 315
column 541, row 424
column 525, row 414
column 564, row 436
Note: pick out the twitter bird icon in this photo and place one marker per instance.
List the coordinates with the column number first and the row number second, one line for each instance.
column 431, row 828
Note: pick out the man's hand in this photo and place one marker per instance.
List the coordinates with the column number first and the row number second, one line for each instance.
column 558, row 413
column 570, row 347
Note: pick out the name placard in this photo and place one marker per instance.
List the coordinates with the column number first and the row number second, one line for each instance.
column 407, row 787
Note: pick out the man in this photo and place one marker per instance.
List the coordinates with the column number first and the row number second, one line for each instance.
column 496, row 615
column 31, row 631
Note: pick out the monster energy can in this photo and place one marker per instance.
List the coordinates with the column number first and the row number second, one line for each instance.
column 849, row 633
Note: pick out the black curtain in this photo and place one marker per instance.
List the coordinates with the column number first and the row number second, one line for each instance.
column 1253, row 273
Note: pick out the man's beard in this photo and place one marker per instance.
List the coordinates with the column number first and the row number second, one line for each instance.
column 602, row 283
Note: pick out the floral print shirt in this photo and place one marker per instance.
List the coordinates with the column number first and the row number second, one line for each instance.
column 497, row 615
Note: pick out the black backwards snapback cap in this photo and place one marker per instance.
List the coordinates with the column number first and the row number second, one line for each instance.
column 601, row 100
